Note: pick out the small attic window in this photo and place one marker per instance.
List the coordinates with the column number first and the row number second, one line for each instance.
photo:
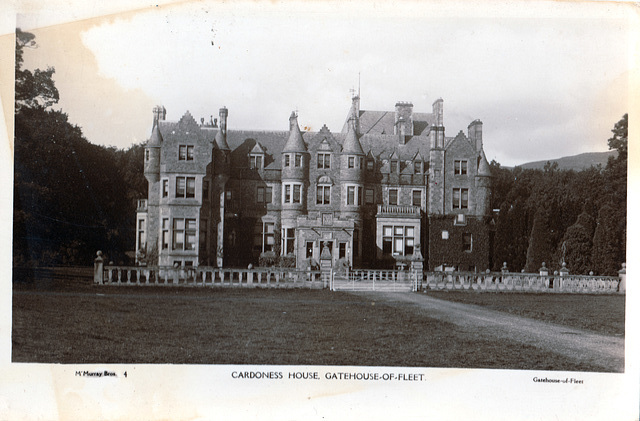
column 370, row 163
column 256, row 161
column 417, row 167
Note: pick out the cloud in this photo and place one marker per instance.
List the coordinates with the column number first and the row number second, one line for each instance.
column 526, row 78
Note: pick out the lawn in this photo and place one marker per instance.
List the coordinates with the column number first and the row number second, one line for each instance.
column 71, row 324
column 599, row 313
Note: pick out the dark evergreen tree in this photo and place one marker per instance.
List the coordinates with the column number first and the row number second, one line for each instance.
column 606, row 254
column 575, row 247
column 540, row 246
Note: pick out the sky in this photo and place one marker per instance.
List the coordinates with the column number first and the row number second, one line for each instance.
column 547, row 81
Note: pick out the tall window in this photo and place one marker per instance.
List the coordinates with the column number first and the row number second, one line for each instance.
column 323, row 195
column 369, row 196
column 185, row 187
column 185, row 152
column 324, row 160
column 460, row 198
column 165, row 187
column 298, row 160
column 460, row 167
column 261, row 195
column 288, row 240
column 287, row 160
column 142, row 237
column 165, row 233
column 352, row 162
column 292, row 193
column 417, row 167
column 394, row 167
column 354, row 194
column 309, row 249
column 417, row 198
column 398, row 240
column 184, row 234
column 255, row 161
column 393, row 196
column 467, row 242
column 191, row 187
column 264, row 238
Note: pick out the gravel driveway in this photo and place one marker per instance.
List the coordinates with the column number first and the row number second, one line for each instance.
column 583, row 346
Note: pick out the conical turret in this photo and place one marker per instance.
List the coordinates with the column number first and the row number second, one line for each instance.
column 295, row 143
column 483, row 186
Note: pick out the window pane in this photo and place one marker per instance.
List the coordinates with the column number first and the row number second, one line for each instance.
column 178, row 224
column 180, row 185
column 298, row 160
column 398, row 230
column 368, row 196
column 296, row 193
column 190, row 243
column 182, row 152
column 191, row 224
column 393, row 197
column 465, row 198
column 260, row 195
column 350, row 194
column 352, row 161
column 189, row 153
column 397, row 245
column 286, row 160
column 409, row 231
column 269, row 193
column 191, row 187
column 387, row 231
column 417, row 198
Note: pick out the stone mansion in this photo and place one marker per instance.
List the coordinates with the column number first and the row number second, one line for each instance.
column 388, row 186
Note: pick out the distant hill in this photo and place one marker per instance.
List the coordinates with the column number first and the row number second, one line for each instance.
column 575, row 162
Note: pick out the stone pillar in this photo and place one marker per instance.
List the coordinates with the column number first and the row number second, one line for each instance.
column 325, row 263
column 622, row 273
column 98, row 269
column 417, row 264
column 544, row 271
column 563, row 272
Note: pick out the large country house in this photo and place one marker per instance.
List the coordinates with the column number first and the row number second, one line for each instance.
column 388, row 187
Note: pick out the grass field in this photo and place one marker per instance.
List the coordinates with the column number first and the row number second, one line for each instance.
column 61, row 323
column 599, row 313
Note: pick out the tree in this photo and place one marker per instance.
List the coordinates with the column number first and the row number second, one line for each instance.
column 619, row 140
column 35, row 89
column 540, row 247
column 575, row 247
column 607, row 255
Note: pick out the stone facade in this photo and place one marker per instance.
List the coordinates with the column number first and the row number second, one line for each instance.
column 389, row 183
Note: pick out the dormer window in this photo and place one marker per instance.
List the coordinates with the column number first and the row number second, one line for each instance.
column 417, row 167
column 394, row 166
column 256, row 161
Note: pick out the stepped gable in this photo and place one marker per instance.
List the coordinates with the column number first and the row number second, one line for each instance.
column 185, row 128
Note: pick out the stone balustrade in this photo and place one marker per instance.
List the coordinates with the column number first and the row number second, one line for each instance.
column 519, row 282
column 210, row 277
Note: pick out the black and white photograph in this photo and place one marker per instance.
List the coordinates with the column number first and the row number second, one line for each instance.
column 320, row 210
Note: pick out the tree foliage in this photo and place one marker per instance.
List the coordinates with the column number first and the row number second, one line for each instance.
column 71, row 197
